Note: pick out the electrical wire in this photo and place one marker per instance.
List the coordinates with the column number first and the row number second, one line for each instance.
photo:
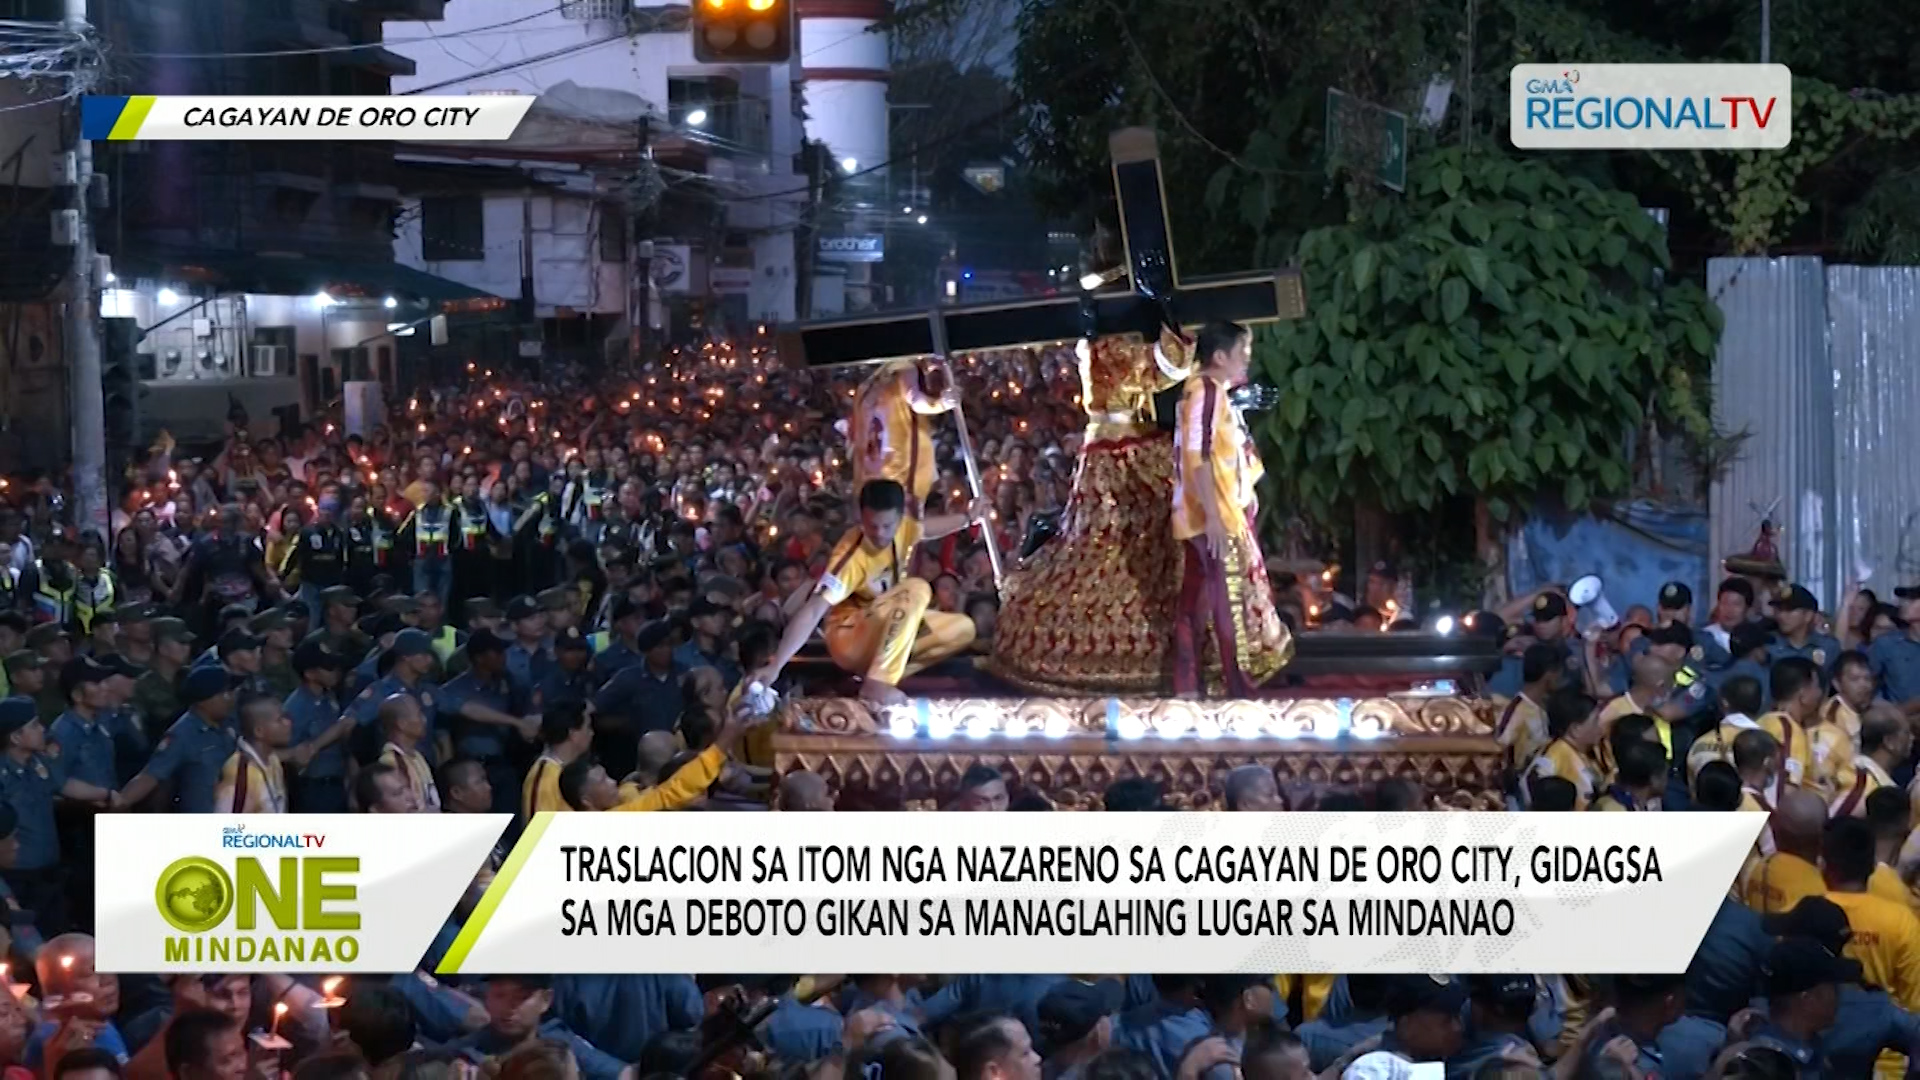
column 511, row 65
column 327, row 49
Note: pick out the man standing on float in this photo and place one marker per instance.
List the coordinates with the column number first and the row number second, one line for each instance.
column 1224, row 580
column 889, row 431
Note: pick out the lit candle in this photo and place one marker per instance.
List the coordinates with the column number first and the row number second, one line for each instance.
column 279, row 1013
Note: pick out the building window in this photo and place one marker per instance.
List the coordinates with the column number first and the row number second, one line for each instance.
column 613, row 234
column 452, row 227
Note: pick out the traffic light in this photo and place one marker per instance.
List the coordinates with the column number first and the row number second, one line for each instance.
column 120, row 389
column 742, row 31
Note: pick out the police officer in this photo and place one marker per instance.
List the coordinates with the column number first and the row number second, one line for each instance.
column 130, row 743
column 1896, row 657
column 1795, row 611
column 320, row 731
column 570, row 678
column 195, row 748
column 318, row 556
column 1675, row 605
column 1747, row 644
column 238, row 654
column 430, row 616
column 339, row 607
column 85, row 744
column 275, row 632
column 31, row 775
column 527, row 656
column 616, row 650
column 26, row 674
column 411, row 656
column 54, row 645
column 156, row 695
column 488, row 709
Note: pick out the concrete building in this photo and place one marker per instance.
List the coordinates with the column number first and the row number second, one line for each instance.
column 553, row 215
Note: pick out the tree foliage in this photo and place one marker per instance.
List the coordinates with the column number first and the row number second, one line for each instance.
column 1497, row 333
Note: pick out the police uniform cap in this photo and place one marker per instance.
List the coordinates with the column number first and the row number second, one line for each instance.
column 171, row 629
column 522, row 607
column 1799, row 964
column 1795, row 598
column 623, row 608
column 270, row 619
column 1814, row 917
column 135, row 612
column 120, row 665
column 400, row 605
column 108, row 615
column 42, row 636
column 1408, row 994
column 1549, row 606
column 340, row 596
column 653, row 634
column 16, row 713
column 1385, row 569
column 1675, row 595
column 412, row 642
column 481, row 607
column 1747, row 637
column 1502, row 989
column 317, row 654
column 24, row 660
column 481, row 642
column 234, row 613
column 1908, row 592
column 237, row 640
column 204, row 683
column 573, row 639
column 79, row 671
column 555, row 599
column 1069, row 1012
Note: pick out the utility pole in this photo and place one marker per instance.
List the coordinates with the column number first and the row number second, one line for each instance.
column 1766, row 31
column 83, row 328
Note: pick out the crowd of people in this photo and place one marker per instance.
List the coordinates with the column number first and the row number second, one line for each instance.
column 518, row 595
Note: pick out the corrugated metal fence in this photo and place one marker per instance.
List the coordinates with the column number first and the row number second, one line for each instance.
column 1820, row 365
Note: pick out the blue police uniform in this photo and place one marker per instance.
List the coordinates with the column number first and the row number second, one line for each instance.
column 486, row 743
column 614, row 659
column 1509, row 679
column 86, row 749
column 1478, row 1048
column 1713, row 655
column 526, row 667
column 1595, row 1063
column 1752, row 669
column 594, row 1065
column 1820, row 649
column 321, row 787
column 1327, row 1041
column 1723, row 978
column 29, row 787
column 439, row 1012
column 130, row 746
column 650, row 702
column 191, row 756
column 688, row 656
column 1807, row 1056
column 366, row 707
column 1896, row 663
column 1017, row 996
column 1162, row 1030
column 561, row 685
column 621, row 1013
column 1868, row 1022
column 797, row 1033
column 27, row 939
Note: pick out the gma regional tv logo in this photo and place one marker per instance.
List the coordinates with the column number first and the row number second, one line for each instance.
column 261, row 908
column 1651, row 106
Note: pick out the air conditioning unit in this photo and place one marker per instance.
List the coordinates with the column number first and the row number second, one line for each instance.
column 270, row 360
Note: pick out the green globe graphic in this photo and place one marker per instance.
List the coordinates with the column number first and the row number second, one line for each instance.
column 194, row 894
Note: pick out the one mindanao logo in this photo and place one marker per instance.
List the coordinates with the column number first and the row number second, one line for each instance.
column 280, row 909
column 1651, row 106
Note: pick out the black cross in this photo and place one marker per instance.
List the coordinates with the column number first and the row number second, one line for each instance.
column 1154, row 286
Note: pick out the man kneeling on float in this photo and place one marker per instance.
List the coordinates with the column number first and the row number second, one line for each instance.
column 877, row 622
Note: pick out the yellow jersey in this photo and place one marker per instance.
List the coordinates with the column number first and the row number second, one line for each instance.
column 1796, row 750
column 1522, row 731
column 1779, row 882
column 1886, row 884
column 251, row 783
column 541, row 789
column 1561, row 759
column 1886, row 941
column 1717, row 745
column 1314, row 991
column 890, row 437
column 1842, row 715
column 1214, row 461
column 1832, row 753
column 1850, row 795
column 419, row 775
column 858, row 573
column 687, row 784
column 1624, row 705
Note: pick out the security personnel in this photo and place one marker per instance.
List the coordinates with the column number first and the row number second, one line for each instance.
column 55, row 645
column 429, row 531
column 1550, row 620
column 1747, row 644
column 50, row 582
column 318, row 558
column 339, row 606
column 101, row 638
column 540, row 549
column 26, row 674
column 96, row 591
column 430, row 617
column 558, row 604
column 1896, row 657
column 615, row 650
column 1795, row 610
column 85, row 744
column 369, row 548
column 1675, row 604
column 412, row 656
column 131, row 746
column 527, row 656
column 487, row 710
column 275, row 632
column 156, row 696
column 31, row 775
column 320, row 731
column 569, row 679
column 194, row 749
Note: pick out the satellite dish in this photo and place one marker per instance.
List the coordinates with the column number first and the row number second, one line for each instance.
column 1589, row 595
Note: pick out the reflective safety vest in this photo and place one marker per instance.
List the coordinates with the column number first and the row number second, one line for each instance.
column 445, row 643
column 473, row 528
column 382, row 538
column 431, row 531
column 601, row 641
column 51, row 604
column 90, row 599
column 549, row 528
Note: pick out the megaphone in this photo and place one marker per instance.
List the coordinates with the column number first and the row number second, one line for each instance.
column 1590, row 598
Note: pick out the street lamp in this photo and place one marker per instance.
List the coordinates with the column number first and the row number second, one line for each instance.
column 697, row 118
column 849, row 165
column 921, row 220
